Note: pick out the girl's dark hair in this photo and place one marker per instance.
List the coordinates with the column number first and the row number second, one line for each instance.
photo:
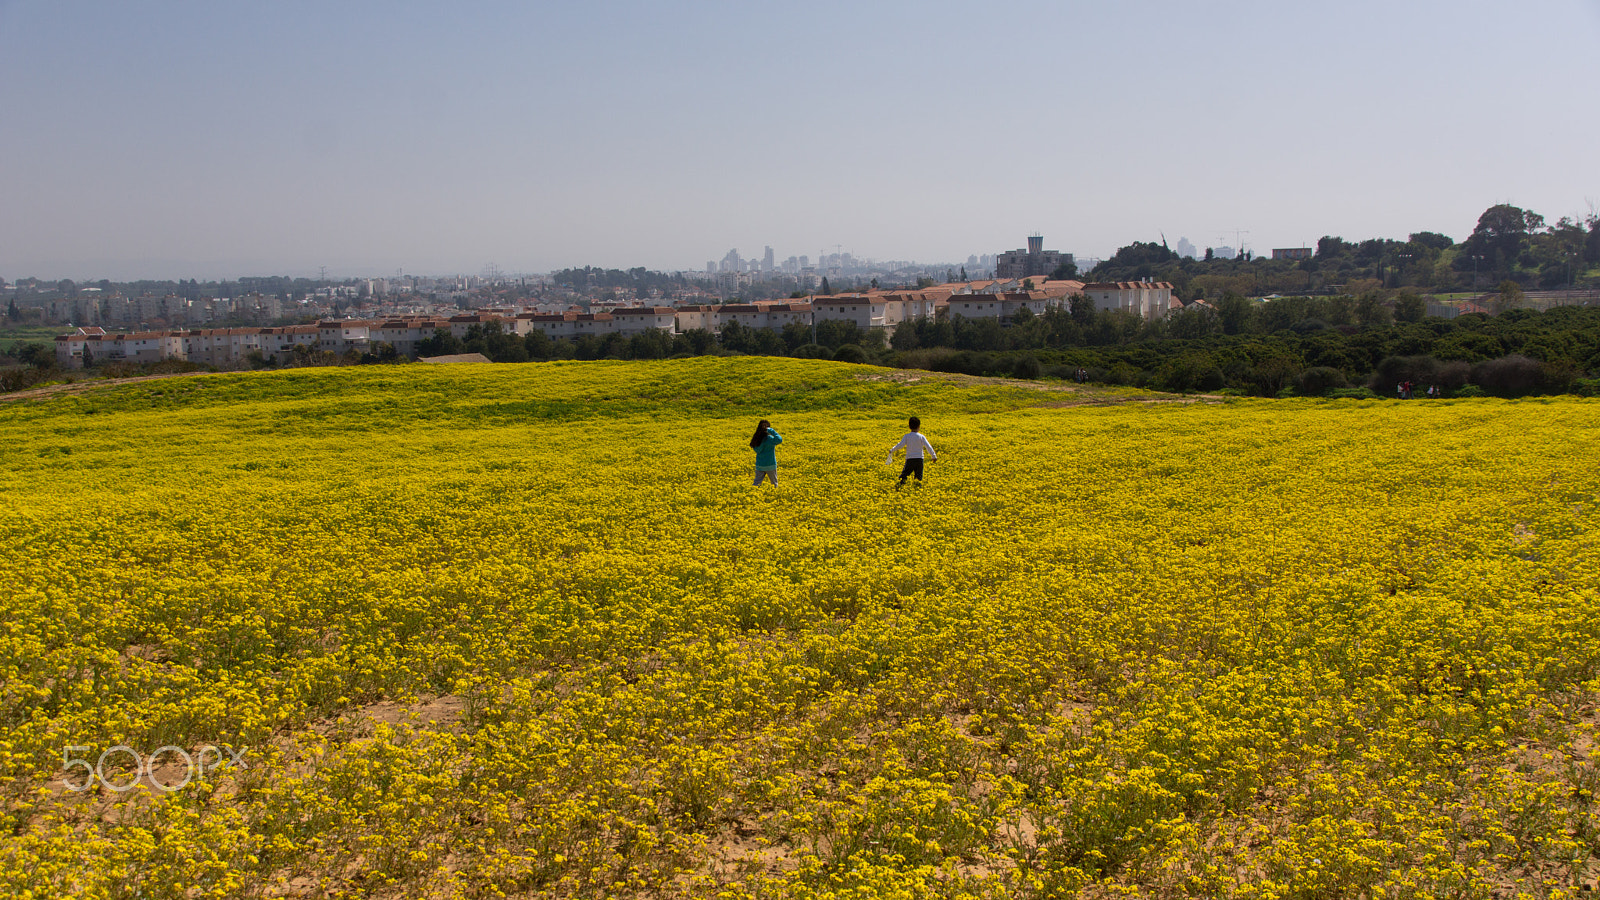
column 915, row 423
column 761, row 435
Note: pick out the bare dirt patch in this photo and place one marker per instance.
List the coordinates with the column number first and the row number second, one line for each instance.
column 441, row 711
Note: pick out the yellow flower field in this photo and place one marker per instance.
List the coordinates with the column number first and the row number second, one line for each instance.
column 528, row 631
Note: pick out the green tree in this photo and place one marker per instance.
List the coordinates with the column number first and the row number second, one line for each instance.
column 1139, row 259
column 905, row 336
column 442, row 343
column 835, row 333
column 537, row 343
column 381, row 352
column 768, row 342
column 827, row 289
column 1511, row 296
column 1408, row 307
column 40, row 356
column 695, row 341
column 1063, row 272
column 1082, row 309
column 1193, row 322
column 1371, row 311
column 12, row 312
column 651, row 344
column 1233, row 311
column 1559, row 252
column 737, row 337
column 796, row 334
column 850, row 353
column 1431, row 240
column 1499, row 238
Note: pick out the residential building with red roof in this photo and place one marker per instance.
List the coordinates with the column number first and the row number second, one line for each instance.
column 1146, row 299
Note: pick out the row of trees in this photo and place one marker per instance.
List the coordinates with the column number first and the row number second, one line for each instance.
column 1508, row 244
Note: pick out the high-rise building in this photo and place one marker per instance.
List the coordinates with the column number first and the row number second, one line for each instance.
column 767, row 262
column 1033, row 262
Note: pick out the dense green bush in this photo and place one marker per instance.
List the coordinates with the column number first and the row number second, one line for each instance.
column 1319, row 380
column 1194, row 371
column 850, row 353
column 1392, row 370
column 812, row 351
column 1025, row 367
column 1509, row 376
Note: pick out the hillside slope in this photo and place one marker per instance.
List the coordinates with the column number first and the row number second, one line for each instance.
column 528, row 630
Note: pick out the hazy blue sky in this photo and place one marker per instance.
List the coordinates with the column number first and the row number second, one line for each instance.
column 204, row 138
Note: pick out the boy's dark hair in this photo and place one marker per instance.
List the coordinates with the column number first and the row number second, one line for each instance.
column 761, row 435
column 915, row 423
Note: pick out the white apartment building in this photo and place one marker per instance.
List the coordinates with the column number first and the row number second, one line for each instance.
column 690, row 318
column 1146, row 299
column 405, row 334
column 903, row 306
column 867, row 311
column 633, row 320
column 977, row 306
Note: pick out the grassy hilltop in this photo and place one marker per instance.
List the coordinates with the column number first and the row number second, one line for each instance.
column 527, row 630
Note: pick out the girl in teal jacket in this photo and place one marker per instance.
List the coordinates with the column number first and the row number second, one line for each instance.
column 765, row 444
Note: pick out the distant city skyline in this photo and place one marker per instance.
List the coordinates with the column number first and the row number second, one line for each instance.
column 182, row 140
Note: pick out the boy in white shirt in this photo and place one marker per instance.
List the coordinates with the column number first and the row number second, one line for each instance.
column 915, row 446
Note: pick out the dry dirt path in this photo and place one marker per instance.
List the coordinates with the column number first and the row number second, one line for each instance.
column 78, row 387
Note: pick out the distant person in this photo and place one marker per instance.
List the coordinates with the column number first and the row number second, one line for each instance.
column 916, row 446
column 765, row 443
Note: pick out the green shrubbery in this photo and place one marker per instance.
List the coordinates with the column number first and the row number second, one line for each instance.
column 1317, row 381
